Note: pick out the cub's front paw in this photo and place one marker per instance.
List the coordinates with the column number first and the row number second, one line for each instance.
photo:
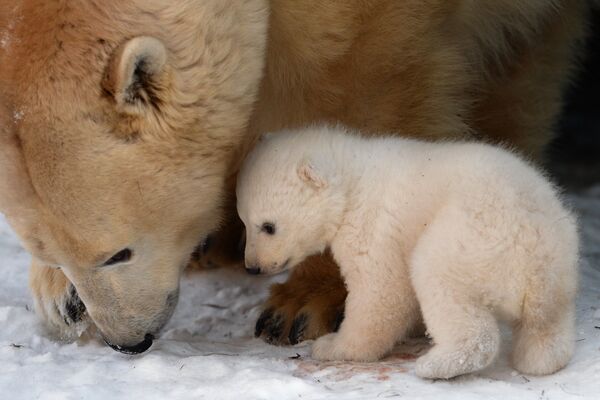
column 324, row 348
column 57, row 302
column 333, row 347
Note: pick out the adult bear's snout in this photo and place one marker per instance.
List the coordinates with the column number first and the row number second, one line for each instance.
column 135, row 349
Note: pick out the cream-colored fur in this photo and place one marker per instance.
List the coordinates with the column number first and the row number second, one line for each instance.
column 118, row 132
column 467, row 233
column 124, row 122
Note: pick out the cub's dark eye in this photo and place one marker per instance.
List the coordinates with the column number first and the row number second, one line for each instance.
column 268, row 228
column 121, row 257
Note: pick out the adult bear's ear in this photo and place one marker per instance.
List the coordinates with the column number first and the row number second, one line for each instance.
column 136, row 76
column 311, row 174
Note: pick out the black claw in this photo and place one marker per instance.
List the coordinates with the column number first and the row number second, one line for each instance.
column 261, row 321
column 297, row 331
column 274, row 329
column 74, row 307
column 339, row 318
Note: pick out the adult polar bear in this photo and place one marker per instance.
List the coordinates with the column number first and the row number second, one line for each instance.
column 124, row 124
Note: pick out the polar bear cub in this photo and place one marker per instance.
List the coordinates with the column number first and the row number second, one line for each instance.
column 462, row 234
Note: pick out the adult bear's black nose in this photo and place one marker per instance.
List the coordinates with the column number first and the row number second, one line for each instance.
column 253, row 270
column 136, row 349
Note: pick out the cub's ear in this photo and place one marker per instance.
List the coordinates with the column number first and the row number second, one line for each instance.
column 311, row 174
column 136, row 76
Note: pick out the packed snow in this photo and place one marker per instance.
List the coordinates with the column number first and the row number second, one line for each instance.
column 207, row 350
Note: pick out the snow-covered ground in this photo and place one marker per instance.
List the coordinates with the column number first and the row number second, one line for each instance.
column 207, row 350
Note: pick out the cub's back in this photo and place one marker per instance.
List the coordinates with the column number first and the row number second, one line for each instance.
column 498, row 183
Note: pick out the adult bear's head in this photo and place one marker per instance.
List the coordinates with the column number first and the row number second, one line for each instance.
column 120, row 120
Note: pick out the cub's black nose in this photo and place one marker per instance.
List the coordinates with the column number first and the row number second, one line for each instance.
column 253, row 270
column 136, row 349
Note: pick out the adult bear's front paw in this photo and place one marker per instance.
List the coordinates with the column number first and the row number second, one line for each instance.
column 57, row 302
column 309, row 305
column 224, row 248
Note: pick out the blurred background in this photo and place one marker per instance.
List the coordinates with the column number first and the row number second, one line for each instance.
column 574, row 157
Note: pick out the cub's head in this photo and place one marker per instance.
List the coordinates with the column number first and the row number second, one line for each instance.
column 120, row 122
column 289, row 200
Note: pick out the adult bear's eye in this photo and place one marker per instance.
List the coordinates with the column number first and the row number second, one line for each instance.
column 121, row 257
column 268, row 228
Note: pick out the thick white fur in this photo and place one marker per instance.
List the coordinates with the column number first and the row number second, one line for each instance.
column 464, row 233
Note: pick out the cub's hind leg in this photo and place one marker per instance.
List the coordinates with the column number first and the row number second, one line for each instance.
column 447, row 274
column 544, row 338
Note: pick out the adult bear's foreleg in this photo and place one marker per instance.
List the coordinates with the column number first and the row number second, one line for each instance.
column 309, row 305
